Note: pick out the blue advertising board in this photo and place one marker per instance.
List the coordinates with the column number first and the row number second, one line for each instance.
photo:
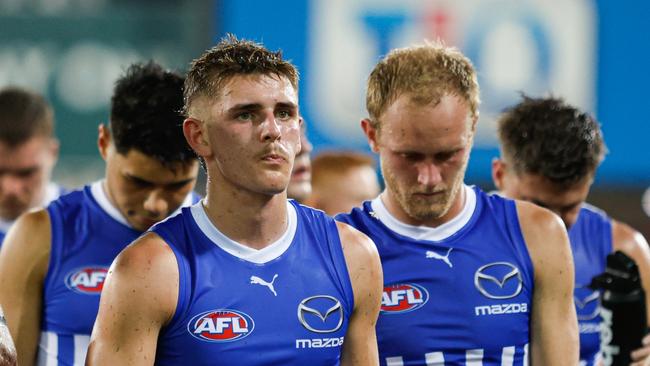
column 568, row 49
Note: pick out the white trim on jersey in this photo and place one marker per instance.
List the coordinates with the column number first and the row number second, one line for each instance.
column 244, row 252
column 424, row 232
column 98, row 192
column 434, row 359
column 81, row 342
column 48, row 349
column 473, row 357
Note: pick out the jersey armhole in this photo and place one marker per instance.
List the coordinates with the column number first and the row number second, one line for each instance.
column 340, row 265
column 56, row 244
column 181, row 264
column 516, row 235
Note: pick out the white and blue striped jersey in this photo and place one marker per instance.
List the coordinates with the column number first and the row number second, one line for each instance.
column 457, row 294
column 88, row 232
column 591, row 242
column 286, row 304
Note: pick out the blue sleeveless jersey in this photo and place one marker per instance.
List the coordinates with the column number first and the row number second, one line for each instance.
column 591, row 242
column 462, row 300
column 290, row 308
column 85, row 241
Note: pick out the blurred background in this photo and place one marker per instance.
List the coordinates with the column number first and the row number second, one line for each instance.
column 594, row 53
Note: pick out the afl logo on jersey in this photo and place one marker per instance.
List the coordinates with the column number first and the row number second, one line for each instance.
column 88, row 280
column 222, row 325
column 403, row 297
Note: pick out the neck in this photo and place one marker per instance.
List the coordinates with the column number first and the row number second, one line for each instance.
column 249, row 218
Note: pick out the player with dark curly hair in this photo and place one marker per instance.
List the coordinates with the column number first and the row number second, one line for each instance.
column 550, row 151
column 54, row 261
column 250, row 278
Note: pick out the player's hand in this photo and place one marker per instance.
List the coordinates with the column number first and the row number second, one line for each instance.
column 641, row 356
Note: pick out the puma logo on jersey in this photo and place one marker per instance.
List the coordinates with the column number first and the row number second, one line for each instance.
column 260, row 281
column 444, row 258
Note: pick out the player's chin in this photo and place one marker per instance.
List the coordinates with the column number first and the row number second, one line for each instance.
column 424, row 211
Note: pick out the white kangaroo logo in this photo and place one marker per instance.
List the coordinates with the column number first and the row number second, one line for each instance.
column 445, row 258
column 259, row 281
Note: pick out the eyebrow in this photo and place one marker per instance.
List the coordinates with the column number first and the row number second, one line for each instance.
column 561, row 208
column 144, row 181
column 27, row 170
column 258, row 106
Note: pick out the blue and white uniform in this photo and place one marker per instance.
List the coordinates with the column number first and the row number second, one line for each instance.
column 88, row 232
column 286, row 304
column 591, row 242
column 457, row 294
column 52, row 192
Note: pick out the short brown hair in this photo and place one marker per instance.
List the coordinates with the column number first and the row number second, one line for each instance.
column 338, row 162
column 552, row 138
column 24, row 114
column 229, row 58
column 425, row 72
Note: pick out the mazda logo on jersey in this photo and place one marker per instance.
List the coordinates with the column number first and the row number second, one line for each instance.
column 403, row 297
column 587, row 303
column 221, row 325
column 498, row 280
column 321, row 314
column 87, row 280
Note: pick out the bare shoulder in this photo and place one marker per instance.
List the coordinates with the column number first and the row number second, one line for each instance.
column 34, row 225
column 356, row 244
column 625, row 238
column 545, row 235
column 27, row 245
column 146, row 271
column 148, row 255
column 362, row 259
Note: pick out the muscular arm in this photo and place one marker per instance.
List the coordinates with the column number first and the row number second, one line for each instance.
column 554, row 326
column 138, row 299
column 364, row 267
column 24, row 260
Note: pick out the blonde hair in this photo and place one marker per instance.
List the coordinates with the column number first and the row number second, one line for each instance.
column 426, row 73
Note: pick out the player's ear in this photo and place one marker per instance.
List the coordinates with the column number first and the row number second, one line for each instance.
column 498, row 172
column 371, row 132
column 196, row 135
column 103, row 140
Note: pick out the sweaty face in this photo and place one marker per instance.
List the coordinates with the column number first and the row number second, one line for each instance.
column 300, row 185
column 565, row 202
column 144, row 190
column 424, row 151
column 24, row 173
column 254, row 134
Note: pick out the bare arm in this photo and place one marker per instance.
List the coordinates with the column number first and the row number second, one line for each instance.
column 24, row 259
column 554, row 325
column 135, row 304
column 364, row 267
